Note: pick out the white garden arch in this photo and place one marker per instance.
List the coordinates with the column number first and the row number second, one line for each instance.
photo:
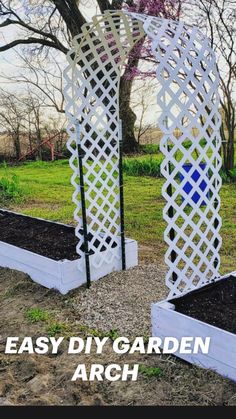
column 189, row 121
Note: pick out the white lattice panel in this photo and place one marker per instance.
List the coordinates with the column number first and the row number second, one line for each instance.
column 92, row 93
column 190, row 124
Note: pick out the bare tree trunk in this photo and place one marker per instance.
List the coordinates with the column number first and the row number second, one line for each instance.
column 224, row 142
column 17, row 146
column 37, row 123
column 228, row 126
column 231, row 148
column 229, row 157
column 30, row 134
column 127, row 116
column 39, row 141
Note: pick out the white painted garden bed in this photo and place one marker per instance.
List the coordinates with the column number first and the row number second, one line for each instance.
column 63, row 275
column 222, row 352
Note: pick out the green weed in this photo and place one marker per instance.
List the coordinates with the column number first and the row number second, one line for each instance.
column 232, row 175
column 150, row 372
column 91, row 332
column 142, row 167
column 35, row 315
column 9, row 185
column 228, row 176
column 149, row 148
column 112, row 334
column 56, row 328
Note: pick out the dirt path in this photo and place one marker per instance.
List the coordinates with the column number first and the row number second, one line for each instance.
column 119, row 302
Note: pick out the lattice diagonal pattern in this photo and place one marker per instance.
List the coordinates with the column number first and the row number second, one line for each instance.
column 190, row 123
column 92, row 93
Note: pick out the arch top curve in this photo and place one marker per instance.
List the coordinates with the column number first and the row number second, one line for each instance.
column 181, row 52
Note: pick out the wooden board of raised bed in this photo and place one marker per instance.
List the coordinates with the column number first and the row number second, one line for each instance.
column 208, row 311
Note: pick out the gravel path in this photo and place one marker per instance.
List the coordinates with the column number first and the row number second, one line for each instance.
column 122, row 300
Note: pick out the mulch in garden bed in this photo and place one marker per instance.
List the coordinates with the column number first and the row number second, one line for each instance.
column 53, row 240
column 214, row 304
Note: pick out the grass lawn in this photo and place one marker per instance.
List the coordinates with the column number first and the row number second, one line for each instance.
column 47, row 194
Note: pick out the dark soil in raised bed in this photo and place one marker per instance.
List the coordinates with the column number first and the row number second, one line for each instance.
column 52, row 240
column 214, row 304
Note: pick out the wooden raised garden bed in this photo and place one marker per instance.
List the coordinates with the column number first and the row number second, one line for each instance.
column 209, row 311
column 46, row 251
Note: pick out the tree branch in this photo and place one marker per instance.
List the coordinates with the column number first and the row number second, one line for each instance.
column 57, row 43
column 20, row 22
column 71, row 15
column 33, row 40
column 116, row 4
column 103, row 5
